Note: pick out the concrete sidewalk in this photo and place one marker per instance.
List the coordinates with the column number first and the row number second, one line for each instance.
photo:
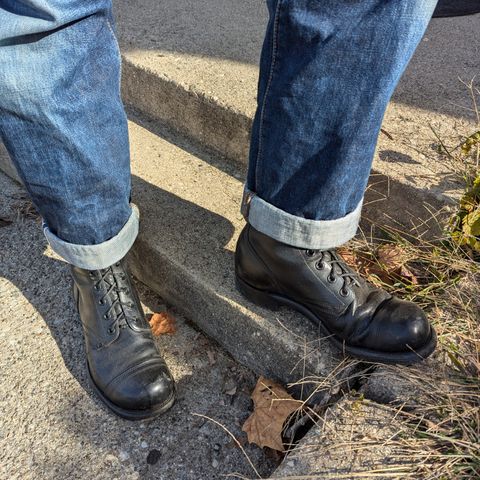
column 53, row 427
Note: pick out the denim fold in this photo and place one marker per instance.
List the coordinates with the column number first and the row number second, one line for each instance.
column 101, row 255
column 297, row 231
column 64, row 125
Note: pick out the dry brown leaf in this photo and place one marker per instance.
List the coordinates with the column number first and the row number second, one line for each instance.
column 394, row 260
column 364, row 264
column 391, row 256
column 391, row 265
column 272, row 406
column 162, row 323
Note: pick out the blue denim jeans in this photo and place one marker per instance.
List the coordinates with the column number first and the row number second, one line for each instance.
column 328, row 69
column 327, row 72
column 63, row 123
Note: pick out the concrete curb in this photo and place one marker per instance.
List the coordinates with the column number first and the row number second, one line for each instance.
column 190, row 112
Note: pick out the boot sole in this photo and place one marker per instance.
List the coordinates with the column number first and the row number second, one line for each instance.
column 275, row 301
column 132, row 414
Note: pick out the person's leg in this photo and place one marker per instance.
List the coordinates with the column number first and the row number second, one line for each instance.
column 327, row 72
column 63, row 123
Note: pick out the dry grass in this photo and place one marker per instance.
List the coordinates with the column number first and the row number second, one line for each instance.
column 442, row 432
column 437, row 428
column 431, row 431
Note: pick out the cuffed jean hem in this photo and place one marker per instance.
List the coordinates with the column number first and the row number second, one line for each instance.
column 297, row 231
column 102, row 255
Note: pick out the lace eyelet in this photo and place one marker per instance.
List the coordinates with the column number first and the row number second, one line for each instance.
column 331, row 279
column 111, row 331
column 343, row 292
column 320, row 265
column 96, row 287
column 117, row 264
column 106, row 317
column 309, row 253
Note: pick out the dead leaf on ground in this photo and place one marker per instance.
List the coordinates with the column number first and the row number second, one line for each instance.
column 272, row 406
column 390, row 265
column 365, row 265
column 394, row 259
column 162, row 323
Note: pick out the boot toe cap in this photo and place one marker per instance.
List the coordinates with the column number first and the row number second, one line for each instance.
column 160, row 391
column 401, row 326
column 146, row 388
column 417, row 329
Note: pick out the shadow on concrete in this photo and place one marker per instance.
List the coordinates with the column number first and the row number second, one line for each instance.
column 396, row 157
column 35, row 273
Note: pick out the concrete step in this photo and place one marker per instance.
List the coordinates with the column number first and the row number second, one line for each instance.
column 190, row 222
column 193, row 66
column 190, row 225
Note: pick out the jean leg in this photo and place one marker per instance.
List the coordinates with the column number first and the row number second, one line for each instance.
column 328, row 70
column 63, row 123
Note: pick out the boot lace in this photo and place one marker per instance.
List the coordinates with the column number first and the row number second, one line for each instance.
column 338, row 269
column 106, row 283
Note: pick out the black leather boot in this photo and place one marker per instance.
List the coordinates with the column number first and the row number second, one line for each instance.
column 124, row 365
column 358, row 318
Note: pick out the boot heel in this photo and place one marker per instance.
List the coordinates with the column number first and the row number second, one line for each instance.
column 259, row 297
